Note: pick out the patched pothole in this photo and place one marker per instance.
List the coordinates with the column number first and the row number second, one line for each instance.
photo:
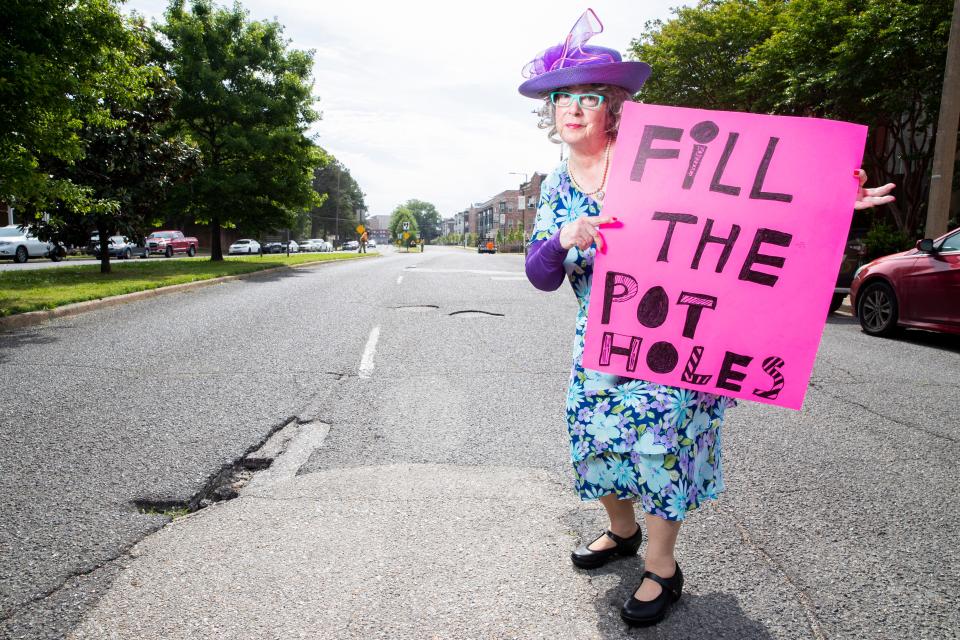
column 476, row 313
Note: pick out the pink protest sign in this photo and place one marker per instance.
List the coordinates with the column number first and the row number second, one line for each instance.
column 720, row 277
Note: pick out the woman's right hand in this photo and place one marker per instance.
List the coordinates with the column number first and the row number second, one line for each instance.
column 583, row 232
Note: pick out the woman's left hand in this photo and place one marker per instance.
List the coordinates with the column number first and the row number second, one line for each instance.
column 867, row 198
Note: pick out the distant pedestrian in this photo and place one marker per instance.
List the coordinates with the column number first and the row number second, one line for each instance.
column 362, row 248
column 630, row 440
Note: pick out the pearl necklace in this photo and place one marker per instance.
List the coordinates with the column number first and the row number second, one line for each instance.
column 599, row 190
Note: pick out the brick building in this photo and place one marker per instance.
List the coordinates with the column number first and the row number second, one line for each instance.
column 378, row 228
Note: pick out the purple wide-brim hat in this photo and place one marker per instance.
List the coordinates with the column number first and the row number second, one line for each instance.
column 574, row 62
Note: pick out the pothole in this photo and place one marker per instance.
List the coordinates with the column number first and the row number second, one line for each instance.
column 227, row 483
column 476, row 313
column 417, row 308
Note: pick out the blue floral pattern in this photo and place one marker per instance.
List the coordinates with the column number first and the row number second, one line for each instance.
column 656, row 444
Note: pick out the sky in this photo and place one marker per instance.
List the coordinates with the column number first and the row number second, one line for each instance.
column 419, row 98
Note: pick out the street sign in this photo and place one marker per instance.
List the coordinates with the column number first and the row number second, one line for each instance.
column 406, row 225
column 406, row 234
column 360, row 228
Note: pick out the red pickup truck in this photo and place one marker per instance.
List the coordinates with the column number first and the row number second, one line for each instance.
column 171, row 242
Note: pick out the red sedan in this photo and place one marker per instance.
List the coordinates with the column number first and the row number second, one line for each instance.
column 918, row 288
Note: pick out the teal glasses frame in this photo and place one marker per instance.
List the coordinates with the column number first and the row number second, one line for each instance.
column 565, row 99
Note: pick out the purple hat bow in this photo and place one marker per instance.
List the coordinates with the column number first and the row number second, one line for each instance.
column 570, row 52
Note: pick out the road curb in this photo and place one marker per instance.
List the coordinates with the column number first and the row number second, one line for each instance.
column 33, row 318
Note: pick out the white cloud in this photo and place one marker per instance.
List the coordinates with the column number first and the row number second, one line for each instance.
column 419, row 99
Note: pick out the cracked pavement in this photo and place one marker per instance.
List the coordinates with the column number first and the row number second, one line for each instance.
column 444, row 473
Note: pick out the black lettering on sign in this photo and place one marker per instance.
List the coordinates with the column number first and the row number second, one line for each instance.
column 653, row 132
column 764, row 236
column 727, row 243
column 771, row 366
column 690, row 374
column 653, row 307
column 662, row 357
column 715, row 184
column 704, row 133
column 697, row 302
column 757, row 192
column 607, row 349
column 728, row 376
column 618, row 287
column 673, row 219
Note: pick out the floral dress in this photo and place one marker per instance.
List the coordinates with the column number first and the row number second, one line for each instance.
column 638, row 440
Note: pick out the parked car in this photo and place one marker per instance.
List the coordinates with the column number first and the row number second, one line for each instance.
column 371, row 244
column 918, row 288
column 350, row 245
column 120, row 247
column 309, row 245
column 486, row 246
column 853, row 257
column 171, row 242
column 327, row 246
column 245, row 245
column 21, row 245
column 273, row 247
column 294, row 247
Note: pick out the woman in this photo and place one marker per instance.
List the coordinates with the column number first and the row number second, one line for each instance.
column 630, row 440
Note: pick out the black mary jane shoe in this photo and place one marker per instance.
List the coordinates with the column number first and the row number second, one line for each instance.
column 638, row 613
column 587, row 558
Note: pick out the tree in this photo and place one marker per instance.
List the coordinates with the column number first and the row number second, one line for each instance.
column 342, row 200
column 246, row 103
column 61, row 61
column 879, row 62
column 700, row 57
column 428, row 218
column 129, row 162
column 405, row 237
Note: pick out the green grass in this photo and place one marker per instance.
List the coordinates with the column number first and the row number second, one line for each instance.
column 32, row 290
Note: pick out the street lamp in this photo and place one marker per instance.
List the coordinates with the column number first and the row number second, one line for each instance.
column 523, row 209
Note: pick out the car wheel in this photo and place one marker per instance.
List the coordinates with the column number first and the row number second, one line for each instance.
column 21, row 255
column 836, row 302
column 127, row 254
column 169, row 252
column 877, row 309
column 146, row 254
column 192, row 251
column 58, row 254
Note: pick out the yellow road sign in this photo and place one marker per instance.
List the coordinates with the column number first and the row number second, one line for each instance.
column 360, row 228
column 406, row 234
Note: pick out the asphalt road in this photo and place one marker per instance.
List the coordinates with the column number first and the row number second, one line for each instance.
column 837, row 521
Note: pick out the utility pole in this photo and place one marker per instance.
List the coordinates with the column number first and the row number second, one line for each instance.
column 941, row 178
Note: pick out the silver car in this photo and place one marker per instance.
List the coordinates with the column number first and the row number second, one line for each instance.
column 21, row 245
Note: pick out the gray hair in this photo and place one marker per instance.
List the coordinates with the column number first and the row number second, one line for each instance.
column 613, row 96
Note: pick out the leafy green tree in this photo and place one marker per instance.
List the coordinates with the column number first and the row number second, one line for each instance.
column 342, row 201
column 246, row 104
column 878, row 62
column 399, row 216
column 130, row 162
column 700, row 56
column 428, row 218
column 61, row 61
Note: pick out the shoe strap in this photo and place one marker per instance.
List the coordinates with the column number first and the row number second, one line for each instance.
column 617, row 538
column 663, row 582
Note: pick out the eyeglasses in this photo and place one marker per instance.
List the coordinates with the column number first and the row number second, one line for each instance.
column 584, row 100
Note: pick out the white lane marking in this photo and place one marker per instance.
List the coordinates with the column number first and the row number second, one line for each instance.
column 399, row 279
column 366, row 361
column 523, row 277
column 482, row 272
column 308, row 437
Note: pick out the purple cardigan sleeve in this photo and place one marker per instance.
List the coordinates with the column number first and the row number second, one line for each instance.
column 545, row 263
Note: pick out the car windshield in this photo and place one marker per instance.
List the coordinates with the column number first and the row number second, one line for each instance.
column 241, row 242
column 158, row 234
